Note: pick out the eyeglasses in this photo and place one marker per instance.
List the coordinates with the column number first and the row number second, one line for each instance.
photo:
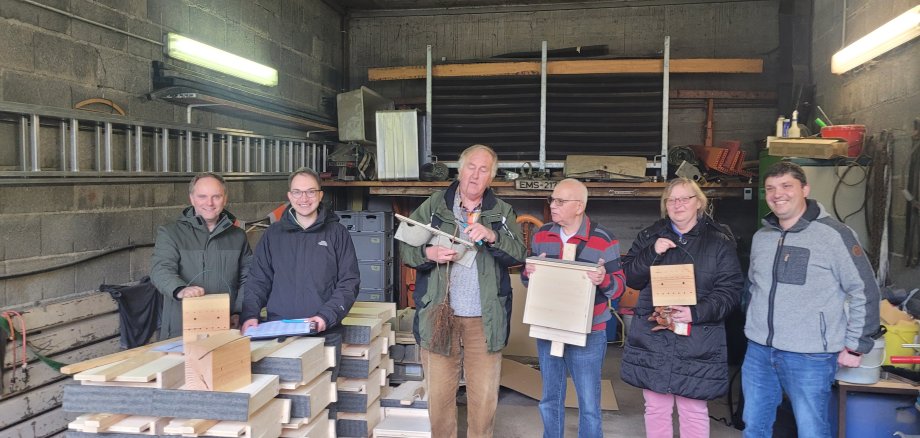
column 558, row 202
column 310, row 194
column 680, row 201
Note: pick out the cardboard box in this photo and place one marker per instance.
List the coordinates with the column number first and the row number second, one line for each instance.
column 807, row 147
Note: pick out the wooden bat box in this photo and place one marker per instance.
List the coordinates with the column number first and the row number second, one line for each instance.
column 673, row 285
column 205, row 314
column 560, row 295
column 220, row 362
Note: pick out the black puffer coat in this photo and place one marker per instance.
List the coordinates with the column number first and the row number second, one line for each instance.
column 692, row 366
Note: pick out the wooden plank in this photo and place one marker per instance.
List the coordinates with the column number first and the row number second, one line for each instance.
column 96, row 423
column 67, row 337
column 404, row 426
column 24, row 406
column 370, row 326
column 109, row 372
column 573, row 67
column 308, row 400
column 44, row 425
column 40, row 374
column 384, row 311
column 64, row 310
column 137, row 424
column 180, row 426
column 297, row 363
column 264, row 423
column 154, row 370
column 407, row 393
column 260, row 349
column 112, row 358
column 365, row 351
column 324, row 428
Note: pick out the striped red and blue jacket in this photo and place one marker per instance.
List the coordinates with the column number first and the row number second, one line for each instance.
column 594, row 242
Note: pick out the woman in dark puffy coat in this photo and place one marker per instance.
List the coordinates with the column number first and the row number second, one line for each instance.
column 678, row 353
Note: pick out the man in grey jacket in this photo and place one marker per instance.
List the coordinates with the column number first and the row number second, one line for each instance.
column 202, row 252
column 814, row 304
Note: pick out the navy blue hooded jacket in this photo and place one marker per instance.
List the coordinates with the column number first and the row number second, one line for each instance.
column 300, row 273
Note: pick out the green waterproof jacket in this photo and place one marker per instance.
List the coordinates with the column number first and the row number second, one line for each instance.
column 492, row 261
column 187, row 254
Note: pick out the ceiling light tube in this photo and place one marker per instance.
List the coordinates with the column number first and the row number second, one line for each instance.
column 890, row 35
column 194, row 52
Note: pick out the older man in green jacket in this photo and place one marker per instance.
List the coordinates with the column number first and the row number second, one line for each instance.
column 479, row 295
column 202, row 252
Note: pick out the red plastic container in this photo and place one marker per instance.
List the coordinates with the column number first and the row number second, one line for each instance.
column 853, row 134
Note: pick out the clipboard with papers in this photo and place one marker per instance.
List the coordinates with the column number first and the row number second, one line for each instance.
column 282, row 328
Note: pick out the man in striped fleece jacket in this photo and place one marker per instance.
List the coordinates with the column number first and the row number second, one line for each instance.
column 595, row 244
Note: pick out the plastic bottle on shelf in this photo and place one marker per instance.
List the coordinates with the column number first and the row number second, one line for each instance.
column 794, row 126
column 786, row 124
column 779, row 126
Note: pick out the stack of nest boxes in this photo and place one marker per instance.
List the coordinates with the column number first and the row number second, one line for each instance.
column 406, row 354
column 215, row 382
column 364, row 367
column 371, row 233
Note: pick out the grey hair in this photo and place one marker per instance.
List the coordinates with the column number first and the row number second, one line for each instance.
column 479, row 147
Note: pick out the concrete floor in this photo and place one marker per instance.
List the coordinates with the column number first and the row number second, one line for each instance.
column 518, row 416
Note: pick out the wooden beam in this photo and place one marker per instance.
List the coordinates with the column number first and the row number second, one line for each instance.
column 722, row 94
column 575, row 67
column 112, row 358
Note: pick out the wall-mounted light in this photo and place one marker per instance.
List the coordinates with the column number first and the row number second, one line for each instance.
column 194, row 52
column 890, row 35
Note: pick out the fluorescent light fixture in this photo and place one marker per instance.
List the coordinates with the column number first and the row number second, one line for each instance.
column 194, row 52
column 890, row 35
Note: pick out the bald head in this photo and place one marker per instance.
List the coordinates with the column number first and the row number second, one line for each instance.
column 574, row 188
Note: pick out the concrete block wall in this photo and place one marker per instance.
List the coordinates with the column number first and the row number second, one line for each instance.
column 883, row 94
column 50, row 225
column 51, row 59
column 739, row 29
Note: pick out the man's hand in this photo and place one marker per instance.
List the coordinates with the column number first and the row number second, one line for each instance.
column 190, row 292
column 479, row 232
column 845, row 359
column 249, row 323
column 597, row 276
column 440, row 254
column 320, row 323
column 235, row 321
column 529, row 268
column 662, row 245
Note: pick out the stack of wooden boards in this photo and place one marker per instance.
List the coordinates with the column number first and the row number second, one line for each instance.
column 406, row 353
column 364, row 367
column 405, row 410
column 300, row 387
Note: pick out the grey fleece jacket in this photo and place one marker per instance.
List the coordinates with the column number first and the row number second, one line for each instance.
column 804, row 279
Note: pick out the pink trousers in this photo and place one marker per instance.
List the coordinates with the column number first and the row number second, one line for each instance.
column 659, row 408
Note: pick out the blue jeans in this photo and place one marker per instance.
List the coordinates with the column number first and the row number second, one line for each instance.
column 584, row 364
column 806, row 378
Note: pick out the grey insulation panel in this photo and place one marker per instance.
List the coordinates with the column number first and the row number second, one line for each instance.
column 354, row 368
column 286, row 368
column 206, row 405
column 352, row 402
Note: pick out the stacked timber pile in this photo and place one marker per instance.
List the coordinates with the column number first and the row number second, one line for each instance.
column 406, row 354
column 364, row 367
column 405, row 410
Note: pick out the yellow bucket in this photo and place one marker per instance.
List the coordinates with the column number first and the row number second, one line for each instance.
column 904, row 332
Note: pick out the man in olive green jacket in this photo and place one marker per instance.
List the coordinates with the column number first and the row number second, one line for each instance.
column 203, row 251
column 479, row 295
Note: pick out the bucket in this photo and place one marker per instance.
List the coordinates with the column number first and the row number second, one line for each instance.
column 869, row 370
column 853, row 134
column 903, row 332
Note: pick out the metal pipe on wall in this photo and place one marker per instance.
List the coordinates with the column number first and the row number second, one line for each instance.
column 543, row 106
